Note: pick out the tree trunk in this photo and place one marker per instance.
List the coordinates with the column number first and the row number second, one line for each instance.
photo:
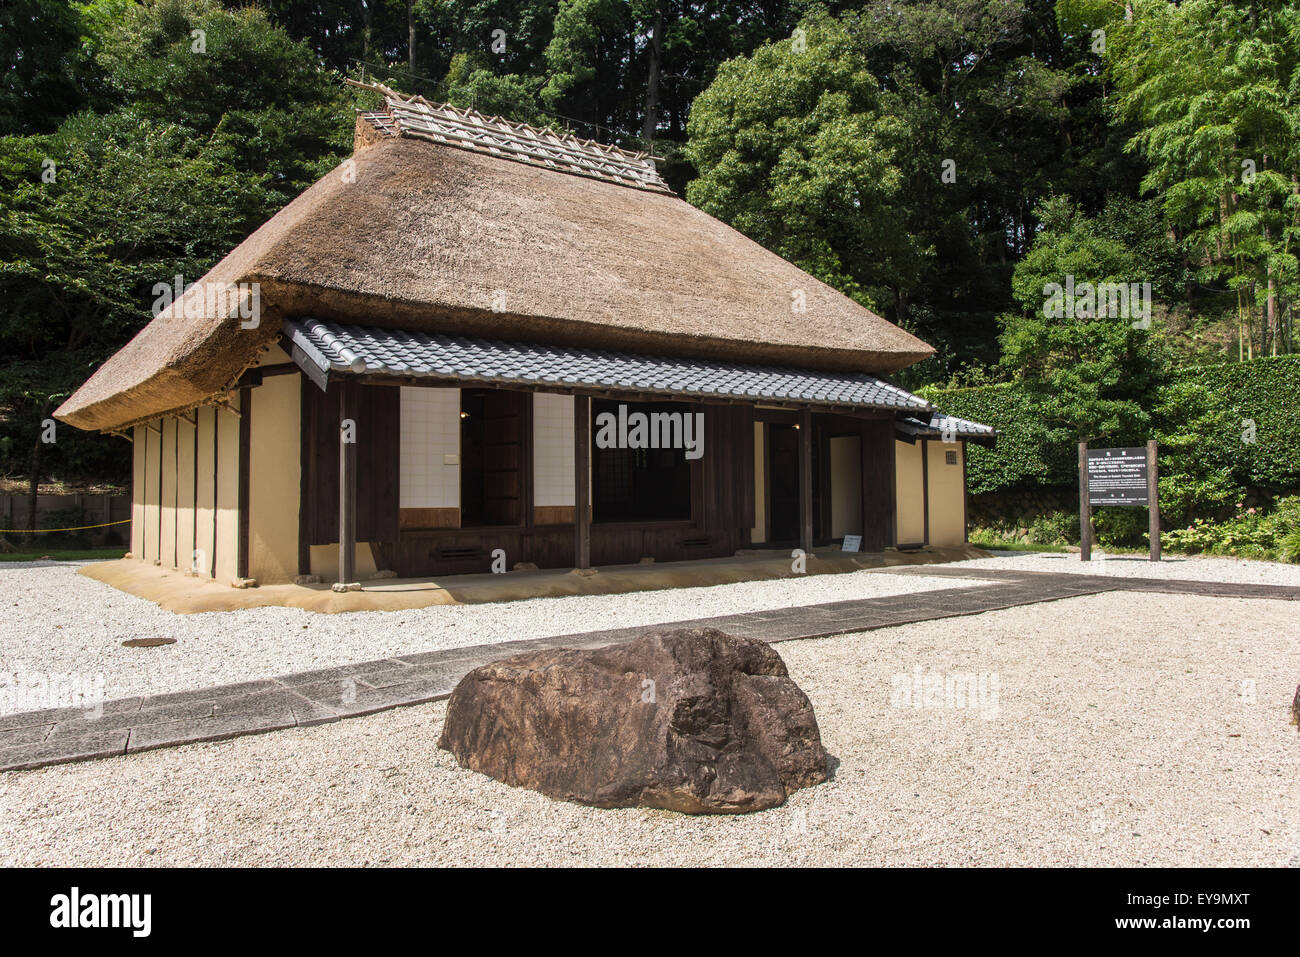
column 368, row 27
column 656, row 51
column 1270, row 322
column 1268, row 336
column 410, row 38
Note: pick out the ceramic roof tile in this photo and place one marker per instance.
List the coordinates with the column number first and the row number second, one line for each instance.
column 470, row 130
column 941, row 424
column 344, row 349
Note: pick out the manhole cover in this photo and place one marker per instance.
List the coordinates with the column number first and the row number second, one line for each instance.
column 147, row 642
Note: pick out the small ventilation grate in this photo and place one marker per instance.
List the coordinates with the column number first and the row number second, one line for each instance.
column 700, row 542
column 459, row 553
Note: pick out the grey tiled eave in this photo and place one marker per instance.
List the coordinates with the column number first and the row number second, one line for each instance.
column 941, row 425
column 327, row 348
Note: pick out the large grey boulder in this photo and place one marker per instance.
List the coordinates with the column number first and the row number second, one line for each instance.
column 691, row 720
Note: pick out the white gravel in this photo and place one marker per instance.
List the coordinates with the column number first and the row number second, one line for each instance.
column 60, row 623
column 1181, row 567
column 1130, row 729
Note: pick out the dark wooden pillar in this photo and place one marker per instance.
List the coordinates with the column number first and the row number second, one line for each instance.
column 581, row 481
column 347, row 482
column 890, row 482
column 1085, row 507
column 925, row 490
column 805, row 481
column 1153, row 499
column 879, row 485
column 527, row 453
column 304, row 477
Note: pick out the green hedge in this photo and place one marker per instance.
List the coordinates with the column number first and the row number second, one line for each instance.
column 1025, row 454
column 1202, row 416
column 1222, row 398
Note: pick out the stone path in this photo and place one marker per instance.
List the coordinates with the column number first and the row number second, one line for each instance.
column 37, row 738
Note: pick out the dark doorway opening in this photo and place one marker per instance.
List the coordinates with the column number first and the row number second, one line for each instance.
column 639, row 484
column 783, row 483
column 491, row 457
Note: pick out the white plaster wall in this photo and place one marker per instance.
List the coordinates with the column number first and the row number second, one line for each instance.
column 553, row 478
column 908, row 483
column 947, row 494
column 846, row 486
column 430, row 452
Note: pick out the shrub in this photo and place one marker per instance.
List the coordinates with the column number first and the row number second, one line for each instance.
column 1121, row 527
column 1055, row 527
column 1250, row 533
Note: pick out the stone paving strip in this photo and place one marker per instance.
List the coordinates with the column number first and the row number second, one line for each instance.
column 35, row 739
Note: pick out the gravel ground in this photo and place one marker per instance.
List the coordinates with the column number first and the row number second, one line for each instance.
column 1162, row 742
column 61, row 623
column 1182, row 567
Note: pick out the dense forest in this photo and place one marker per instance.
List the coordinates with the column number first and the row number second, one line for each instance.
column 944, row 162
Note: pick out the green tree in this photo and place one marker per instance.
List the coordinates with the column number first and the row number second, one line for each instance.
column 1214, row 85
column 471, row 85
column 163, row 181
column 1092, row 370
column 43, row 67
column 796, row 150
column 904, row 160
column 592, row 39
column 231, row 76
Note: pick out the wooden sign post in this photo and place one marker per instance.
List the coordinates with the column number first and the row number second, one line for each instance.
column 1085, row 507
column 1124, row 477
column 1153, row 501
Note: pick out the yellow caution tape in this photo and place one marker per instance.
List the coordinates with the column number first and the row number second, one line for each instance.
column 75, row 528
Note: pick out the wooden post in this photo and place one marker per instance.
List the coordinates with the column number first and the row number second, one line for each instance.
column 244, row 489
column 925, row 491
column 347, row 483
column 805, row 481
column 305, row 454
column 891, row 443
column 870, row 494
column 1085, row 508
column 1153, row 500
column 241, row 557
column 581, row 481
column 965, row 493
column 527, row 494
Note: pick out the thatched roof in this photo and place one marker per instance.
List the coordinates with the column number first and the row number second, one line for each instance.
column 425, row 236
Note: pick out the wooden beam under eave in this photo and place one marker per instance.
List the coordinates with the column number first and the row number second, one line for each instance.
column 582, row 481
